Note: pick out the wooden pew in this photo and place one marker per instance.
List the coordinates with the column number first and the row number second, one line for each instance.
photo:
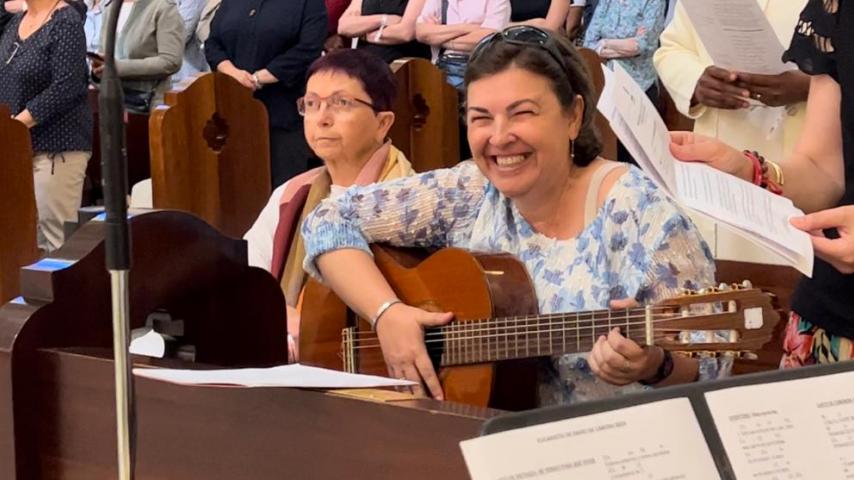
column 18, row 217
column 210, row 152
column 426, row 115
column 136, row 146
column 55, row 354
column 606, row 135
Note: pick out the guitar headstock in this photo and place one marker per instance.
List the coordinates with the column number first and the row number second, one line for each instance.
column 733, row 318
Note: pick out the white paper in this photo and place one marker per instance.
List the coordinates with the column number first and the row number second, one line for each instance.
column 660, row 440
column 755, row 213
column 799, row 429
column 147, row 342
column 737, row 35
column 297, row 376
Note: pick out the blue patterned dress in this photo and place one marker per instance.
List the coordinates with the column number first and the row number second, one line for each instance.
column 639, row 245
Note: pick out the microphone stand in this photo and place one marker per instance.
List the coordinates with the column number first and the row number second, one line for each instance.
column 114, row 183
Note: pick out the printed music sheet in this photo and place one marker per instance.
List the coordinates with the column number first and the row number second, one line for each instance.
column 737, row 35
column 798, row 429
column 295, row 376
column 753, row 212
column 655, row 441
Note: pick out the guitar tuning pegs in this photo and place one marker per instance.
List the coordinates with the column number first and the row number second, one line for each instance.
column 687, row 292
column 747, row 284
column 723, row 287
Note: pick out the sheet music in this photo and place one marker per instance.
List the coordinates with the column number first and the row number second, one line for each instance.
column 655, row 441
column 755, row 213
column 799, row 429
column 737, row 35
column 298, row 376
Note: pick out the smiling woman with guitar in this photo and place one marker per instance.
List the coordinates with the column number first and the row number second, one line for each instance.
column 590, row 233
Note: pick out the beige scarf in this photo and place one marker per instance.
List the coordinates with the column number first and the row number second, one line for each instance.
column 385, row 164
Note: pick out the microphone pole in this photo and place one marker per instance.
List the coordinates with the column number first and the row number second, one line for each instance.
column 114, row 183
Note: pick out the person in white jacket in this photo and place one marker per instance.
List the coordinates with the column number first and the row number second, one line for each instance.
column 756, row 112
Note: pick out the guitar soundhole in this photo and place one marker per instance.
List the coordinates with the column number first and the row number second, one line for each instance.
column 215, row 133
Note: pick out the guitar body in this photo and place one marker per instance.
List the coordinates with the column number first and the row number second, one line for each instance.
column 471, row 285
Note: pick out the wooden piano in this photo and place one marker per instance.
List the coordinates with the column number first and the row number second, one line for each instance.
column 56, row 376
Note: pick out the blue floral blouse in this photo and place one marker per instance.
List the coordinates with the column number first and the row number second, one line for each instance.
column 639, row 245
column 620, row 19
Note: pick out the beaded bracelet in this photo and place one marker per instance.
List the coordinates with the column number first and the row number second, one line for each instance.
column 760, row 172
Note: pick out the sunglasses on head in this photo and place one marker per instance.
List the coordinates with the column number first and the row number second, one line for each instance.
column 521, row 35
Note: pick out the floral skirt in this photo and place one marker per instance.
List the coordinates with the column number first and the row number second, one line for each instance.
column 806, row 344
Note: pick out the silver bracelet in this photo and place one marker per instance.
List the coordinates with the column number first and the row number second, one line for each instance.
column 380, row 311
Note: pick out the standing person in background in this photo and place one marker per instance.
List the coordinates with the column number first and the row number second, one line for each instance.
column 149, row 49
column 194, row 57
column 547, row 14
column 453, row 31
column 92, row 25
column 268, row 46
column 719, row 107
column 626, row 32
column 713, row 98
column 385, row 28
column 334, row 10
column 574, row 20
column 817, row 175
column 43, row 80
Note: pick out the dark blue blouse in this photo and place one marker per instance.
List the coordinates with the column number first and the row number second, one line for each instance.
column 283, row 36
column 47, row 75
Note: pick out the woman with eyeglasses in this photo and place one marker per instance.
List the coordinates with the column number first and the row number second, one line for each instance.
column 43, row 80
column 347, row 116
column 267, row 46
column 593, row 233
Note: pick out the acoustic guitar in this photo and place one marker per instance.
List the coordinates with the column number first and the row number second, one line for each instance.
column 497, row 319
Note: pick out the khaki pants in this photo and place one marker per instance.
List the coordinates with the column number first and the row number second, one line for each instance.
column 59, row 189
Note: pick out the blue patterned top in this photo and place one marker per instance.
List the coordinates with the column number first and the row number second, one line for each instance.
column 621, row 19
column 639, row 245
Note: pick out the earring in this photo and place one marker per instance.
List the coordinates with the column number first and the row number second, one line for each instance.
column 572, row 149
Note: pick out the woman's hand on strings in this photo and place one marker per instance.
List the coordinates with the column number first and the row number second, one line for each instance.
column 620, row 361
column 401, row 334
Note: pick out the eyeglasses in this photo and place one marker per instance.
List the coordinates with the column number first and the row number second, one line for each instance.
column 337, row 103
column 14, row 52
column 525, row 35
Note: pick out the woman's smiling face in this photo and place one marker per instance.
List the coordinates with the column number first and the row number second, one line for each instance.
column 518, row 131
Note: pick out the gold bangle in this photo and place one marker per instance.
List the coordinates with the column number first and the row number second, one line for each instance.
column 778, row 172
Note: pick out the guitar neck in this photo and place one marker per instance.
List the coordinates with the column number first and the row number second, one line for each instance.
column 490, row 340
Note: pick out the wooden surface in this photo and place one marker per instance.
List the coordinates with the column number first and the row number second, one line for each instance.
column 18, row 217
column 210, row 153
column 606, row 135
column 233, row 314
column 426, row 126
column 240, row 433
column 136, row 147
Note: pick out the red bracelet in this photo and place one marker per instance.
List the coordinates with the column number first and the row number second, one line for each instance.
column 757, row 167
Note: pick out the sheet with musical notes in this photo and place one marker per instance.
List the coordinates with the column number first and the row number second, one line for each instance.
column 654, row 441
column 798, row 429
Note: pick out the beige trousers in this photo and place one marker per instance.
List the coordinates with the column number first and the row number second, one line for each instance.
column 59, row 190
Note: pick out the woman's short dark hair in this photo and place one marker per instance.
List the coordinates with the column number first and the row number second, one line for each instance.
column 370, row 70
column 500, row 55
